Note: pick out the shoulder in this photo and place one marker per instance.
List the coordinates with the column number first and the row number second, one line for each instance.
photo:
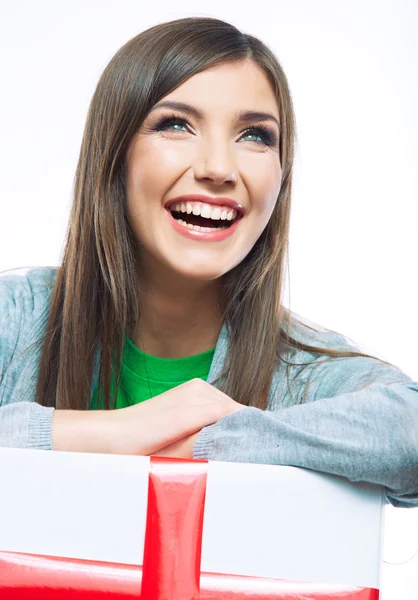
column 24, row 306
column 322, row 375
column 25, row 290
column 309, row 333
column 27, row 281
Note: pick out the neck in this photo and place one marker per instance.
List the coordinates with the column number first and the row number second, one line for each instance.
column 178, row 317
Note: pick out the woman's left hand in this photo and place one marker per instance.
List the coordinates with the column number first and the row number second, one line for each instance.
column 181, row 449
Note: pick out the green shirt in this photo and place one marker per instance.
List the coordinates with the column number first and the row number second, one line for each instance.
column 144, row 376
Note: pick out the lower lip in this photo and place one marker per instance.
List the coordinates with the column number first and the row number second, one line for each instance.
column 204, row 236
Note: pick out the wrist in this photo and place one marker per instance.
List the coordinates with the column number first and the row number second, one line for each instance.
column 82, row 431
column 203, row 446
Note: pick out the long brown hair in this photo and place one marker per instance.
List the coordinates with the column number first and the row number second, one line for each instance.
column 95, row 296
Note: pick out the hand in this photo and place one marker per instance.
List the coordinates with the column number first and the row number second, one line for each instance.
column 169, row 418
column 181, row 449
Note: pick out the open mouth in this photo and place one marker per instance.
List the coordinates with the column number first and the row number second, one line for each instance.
column 207, row 219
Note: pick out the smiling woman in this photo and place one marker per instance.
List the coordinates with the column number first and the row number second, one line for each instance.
column 166, row 314
column 211, row 150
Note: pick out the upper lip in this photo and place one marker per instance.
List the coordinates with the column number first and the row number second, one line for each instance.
column 214, row 200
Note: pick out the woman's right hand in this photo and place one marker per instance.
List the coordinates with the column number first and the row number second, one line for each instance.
column 146, row 427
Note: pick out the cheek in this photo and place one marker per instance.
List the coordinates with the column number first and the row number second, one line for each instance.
column 264, row 182
column 152, row 168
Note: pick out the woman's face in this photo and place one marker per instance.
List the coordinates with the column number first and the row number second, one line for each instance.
column 219, row 155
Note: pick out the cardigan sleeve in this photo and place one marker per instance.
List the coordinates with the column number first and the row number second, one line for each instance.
column 23, row 423
column 360, row 421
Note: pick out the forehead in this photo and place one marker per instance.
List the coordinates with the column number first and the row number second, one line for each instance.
column 234, row 84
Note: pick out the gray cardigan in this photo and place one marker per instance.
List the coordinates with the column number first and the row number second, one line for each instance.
column 359, row 419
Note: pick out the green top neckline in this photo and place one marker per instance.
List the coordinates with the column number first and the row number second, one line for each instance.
column 165, row 369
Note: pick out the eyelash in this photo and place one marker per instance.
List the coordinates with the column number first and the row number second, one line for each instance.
column 268, row 137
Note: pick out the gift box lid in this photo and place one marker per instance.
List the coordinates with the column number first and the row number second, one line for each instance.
column 259, row 520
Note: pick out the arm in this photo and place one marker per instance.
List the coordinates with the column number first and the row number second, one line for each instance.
column 365, row 432
column 26, row 425
column 29, row 425
column 24, row 307
column 23, row 298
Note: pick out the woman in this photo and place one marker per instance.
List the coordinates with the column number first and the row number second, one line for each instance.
column 170, row 286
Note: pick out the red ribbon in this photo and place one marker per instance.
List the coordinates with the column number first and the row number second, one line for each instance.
column 172, row 552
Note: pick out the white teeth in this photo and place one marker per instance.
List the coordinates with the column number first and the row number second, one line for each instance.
column 207, row 211
column 198, row 228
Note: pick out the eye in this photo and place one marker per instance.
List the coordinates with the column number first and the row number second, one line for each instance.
column 175, row 122
column 264, row 134
column 172, row 122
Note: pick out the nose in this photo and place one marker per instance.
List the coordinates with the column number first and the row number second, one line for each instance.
column 215, row 163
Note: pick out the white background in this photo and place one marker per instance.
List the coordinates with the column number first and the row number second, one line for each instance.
column 352, row 68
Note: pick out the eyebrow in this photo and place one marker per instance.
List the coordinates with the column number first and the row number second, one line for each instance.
column 242, row 116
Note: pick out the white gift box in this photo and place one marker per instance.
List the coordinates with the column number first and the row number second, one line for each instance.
column 251, row 531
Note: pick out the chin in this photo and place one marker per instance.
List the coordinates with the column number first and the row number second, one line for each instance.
column 201, row 272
